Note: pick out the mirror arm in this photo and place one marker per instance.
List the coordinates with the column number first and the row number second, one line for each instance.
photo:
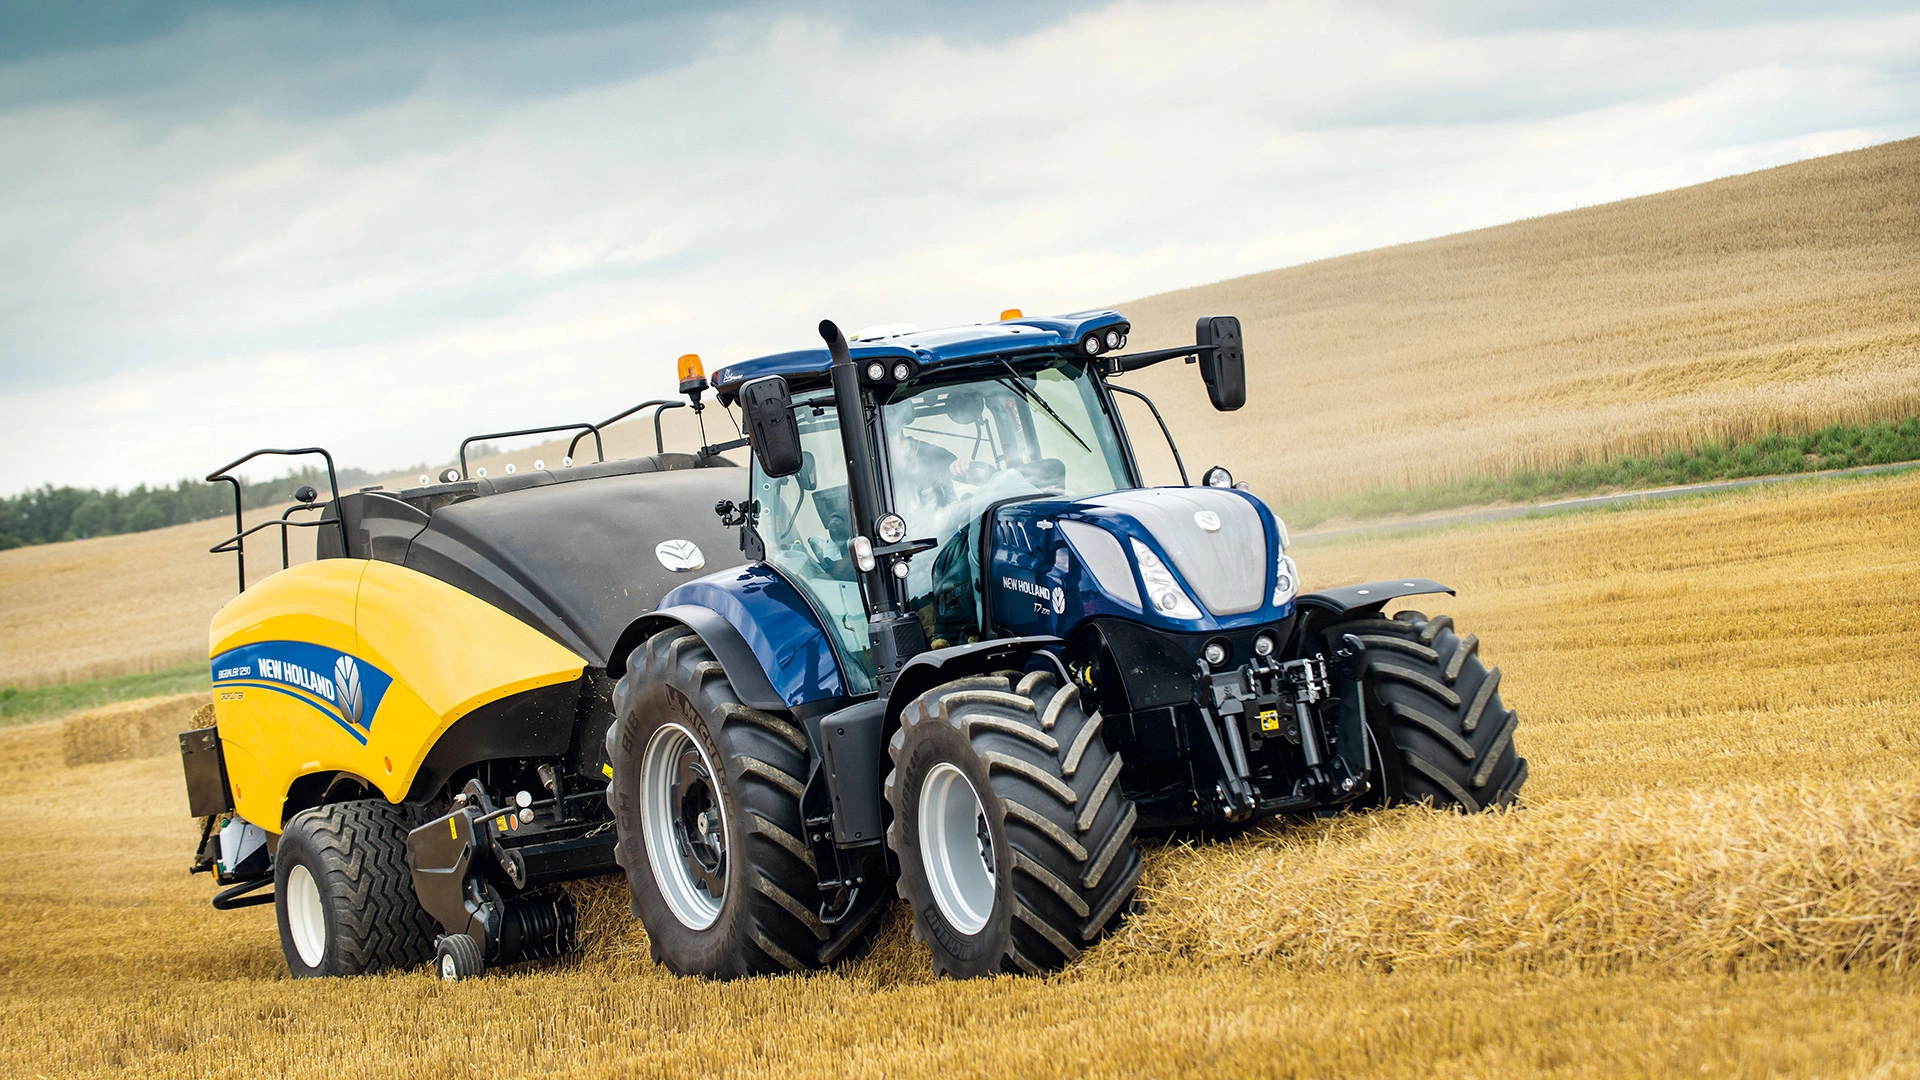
column 1120, row 365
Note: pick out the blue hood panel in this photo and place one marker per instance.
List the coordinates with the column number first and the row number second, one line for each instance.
column 1040, row 584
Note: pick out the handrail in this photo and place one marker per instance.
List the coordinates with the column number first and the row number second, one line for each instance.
column 225, row 474
column 286, row 559
column 1181, row 465
column 659, row 441
column 583, row 428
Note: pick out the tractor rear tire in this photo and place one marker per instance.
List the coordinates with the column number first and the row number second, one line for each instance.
column 1014, row 840
column 343, row 892
column 706, row 800
column 1435, row 711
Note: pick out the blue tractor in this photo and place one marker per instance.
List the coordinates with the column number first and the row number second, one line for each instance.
column 938, row 640
column 970, row 656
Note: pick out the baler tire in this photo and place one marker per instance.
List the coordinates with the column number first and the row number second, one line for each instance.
column 354, row 854
column 459, row 956
column 767, row 920
column 1064, row 864
column 1435, row 708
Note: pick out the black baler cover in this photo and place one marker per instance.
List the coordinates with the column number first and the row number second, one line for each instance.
column 576, row 560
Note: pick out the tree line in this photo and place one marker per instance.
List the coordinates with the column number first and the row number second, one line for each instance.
column 50, row 514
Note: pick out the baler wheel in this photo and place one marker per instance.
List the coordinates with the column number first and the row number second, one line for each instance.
column 459, row 956
column 1436, row 711
column 1014, row 839
column 706, row 799
column 344, row 891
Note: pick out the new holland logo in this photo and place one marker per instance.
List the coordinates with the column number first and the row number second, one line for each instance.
column 1207, row 520
column 346, row 681
column 344, row 689
column 679, row 556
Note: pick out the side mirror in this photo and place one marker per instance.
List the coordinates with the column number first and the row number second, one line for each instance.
column 770, row 425
column 1224, row 367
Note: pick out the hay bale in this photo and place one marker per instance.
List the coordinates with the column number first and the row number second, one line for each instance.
column 147, row 727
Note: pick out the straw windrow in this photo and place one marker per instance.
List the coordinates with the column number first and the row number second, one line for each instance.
column 1756, row 876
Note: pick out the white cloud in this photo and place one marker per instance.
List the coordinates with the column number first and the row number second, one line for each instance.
column 187, row 282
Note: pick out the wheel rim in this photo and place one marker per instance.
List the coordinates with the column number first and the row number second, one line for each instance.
column 306, row 918
column 956, row 848
column 449, row 970
column 685, row 826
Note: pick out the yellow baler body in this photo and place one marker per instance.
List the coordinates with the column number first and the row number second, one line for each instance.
column 359, row 666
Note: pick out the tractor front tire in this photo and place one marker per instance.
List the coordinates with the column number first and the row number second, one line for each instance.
column 706, row 800
column 343, row 892
column 1014, row 840
column 1434, row 713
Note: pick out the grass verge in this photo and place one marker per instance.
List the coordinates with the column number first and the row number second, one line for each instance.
column 45, row 702
column 1841, row 446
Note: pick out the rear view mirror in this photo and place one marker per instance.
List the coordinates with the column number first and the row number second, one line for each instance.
column 770, row 425
column 1223, row 367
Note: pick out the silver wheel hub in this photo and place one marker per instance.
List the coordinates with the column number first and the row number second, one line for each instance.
column 306, row 916
column 956, row 849
column 684, row 826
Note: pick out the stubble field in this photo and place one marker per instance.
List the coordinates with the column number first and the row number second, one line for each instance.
column 1717, row 872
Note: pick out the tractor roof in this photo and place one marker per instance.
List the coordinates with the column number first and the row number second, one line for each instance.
column 930, row 348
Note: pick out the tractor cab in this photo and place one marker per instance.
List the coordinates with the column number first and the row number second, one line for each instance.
column 950, row 444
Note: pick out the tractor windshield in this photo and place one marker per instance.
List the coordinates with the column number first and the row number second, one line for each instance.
column 959, row 441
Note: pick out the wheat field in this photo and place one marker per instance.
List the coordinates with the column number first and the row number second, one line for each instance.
column 1780, row 300
column 1717, row 873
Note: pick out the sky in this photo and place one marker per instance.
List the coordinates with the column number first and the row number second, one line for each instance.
column 380, row 227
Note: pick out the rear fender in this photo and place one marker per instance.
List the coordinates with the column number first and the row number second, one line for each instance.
column 737, row 658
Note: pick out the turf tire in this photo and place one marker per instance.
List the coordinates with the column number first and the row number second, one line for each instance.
column 768, row 921
column 1436, row 710
column 1064, row 864
column 355, row 854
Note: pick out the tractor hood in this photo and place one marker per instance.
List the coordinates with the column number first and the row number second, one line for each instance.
column 1182, row 558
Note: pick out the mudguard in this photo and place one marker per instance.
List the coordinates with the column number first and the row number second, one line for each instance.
column 931, row 668
column 1372, row 595
column 1319, row 609
column 737, row 658
column 759, row 627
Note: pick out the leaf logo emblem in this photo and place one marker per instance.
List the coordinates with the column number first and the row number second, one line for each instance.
column 346, row 680
column 679, row 555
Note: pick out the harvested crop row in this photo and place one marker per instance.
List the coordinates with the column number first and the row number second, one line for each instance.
column 1754, row 876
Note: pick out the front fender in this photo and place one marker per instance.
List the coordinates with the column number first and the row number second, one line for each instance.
column 930, row 669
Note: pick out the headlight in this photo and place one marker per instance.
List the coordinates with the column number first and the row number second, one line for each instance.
column 1286, row 581
column 876, row 371
column 1163, row 593
column 891, row 527
column 1284, row 545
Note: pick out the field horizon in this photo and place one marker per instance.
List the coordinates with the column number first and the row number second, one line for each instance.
column 1774, row 300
